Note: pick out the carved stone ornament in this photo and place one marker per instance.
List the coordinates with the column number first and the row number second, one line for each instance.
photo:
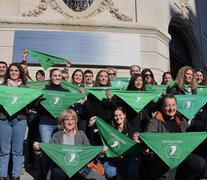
column 95, row 7
column 184, row 9
column 37, row 11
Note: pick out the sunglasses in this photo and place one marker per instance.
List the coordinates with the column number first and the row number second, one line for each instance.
column 112, row 73
column 148, row 75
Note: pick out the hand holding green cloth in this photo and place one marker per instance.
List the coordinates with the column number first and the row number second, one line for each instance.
column 99, row 92
column 70, row 158
column 136, row 99
column 173, row 148
column 189, row 105
column 13, row 99
column 46, row 60
column 56, row 102
column 118, row 143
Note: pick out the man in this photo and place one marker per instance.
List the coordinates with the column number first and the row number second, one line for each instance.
column 3, row 67
column 65, row 75
column 65, row 72
column 135, row 69
column 169, row 121
column 88, row 76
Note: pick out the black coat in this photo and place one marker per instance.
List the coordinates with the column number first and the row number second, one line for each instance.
column 177, row 91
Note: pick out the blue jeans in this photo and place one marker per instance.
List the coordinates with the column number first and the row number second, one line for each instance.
column 46, row 132
column 12, row 133
column 129, row 165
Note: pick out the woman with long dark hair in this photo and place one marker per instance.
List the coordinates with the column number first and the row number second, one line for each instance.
column 125, row 166
column 77, row 78
column 136, row 83
column 12, row 128
column 148, row 77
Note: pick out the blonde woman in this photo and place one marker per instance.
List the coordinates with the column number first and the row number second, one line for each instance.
column 185, row 82
column 68, row 134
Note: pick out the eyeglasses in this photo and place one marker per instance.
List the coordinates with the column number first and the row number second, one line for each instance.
column 112, row 74
column 148, row 75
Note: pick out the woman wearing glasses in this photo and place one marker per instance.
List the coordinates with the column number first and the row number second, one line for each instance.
column 148, row 77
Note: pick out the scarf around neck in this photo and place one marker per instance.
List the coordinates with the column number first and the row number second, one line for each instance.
column 13, row 83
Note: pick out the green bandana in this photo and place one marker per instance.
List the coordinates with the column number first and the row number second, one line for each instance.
column 189, row 105
column 156, row 88
column 37, row 84
column 187, row 89
column 57, row 101
column 120, row 82
column 70, row 158
column 118, row 143
column 46, row 60
column 71, row 87
column 136, row 99
column 201, row 89
column 99, row 92
column 173, row 148
column 14, row 99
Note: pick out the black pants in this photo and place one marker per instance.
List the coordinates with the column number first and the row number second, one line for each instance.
column 191, row 168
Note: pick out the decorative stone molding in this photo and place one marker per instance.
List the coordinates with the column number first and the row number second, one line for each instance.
column 97, row 7
column 184, row 9
column 37, row 11
column 109, row 4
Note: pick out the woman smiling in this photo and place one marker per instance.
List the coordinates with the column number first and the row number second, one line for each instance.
column 12, row 128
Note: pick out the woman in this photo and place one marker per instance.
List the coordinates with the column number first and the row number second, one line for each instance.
column 137, row 120
column 126, row 166
column 12, row 128
column 70, row 135
column 112, row 73
column 166, row 78
column 200, row 78
column 136, row 83
column 102, row 79
column 47, row 123
column 148, row 77
column 78, row 78
column 40, row 75
column 185, row 82
column 95, row 107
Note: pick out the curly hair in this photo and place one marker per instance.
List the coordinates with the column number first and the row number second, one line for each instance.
column 181, row 76
column 63, row 115
column 21, row 70
column 131, row 85
column 97, row 83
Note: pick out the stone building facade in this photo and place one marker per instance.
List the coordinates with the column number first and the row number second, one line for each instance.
column 172, row 33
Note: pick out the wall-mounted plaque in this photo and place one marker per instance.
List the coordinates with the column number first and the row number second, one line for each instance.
column 120, row 49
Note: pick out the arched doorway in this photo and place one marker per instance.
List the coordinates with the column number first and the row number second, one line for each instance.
column 184, row 49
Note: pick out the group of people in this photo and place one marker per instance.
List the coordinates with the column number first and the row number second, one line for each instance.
column 77, row 125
